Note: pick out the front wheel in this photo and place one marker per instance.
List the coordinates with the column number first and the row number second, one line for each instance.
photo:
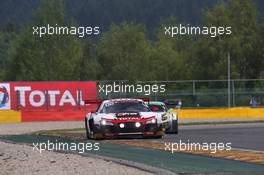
column 173, row 128
column 91, row 133
column 86, row 129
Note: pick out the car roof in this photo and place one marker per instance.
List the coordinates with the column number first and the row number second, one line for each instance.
column 156, row 103
column 124, row 100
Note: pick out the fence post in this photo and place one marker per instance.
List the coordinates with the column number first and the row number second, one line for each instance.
column 47, row 99
column 194, row 88
column 233, row 92
column 17, row 100
column 229, row 80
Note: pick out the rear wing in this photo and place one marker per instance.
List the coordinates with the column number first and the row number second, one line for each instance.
column 171, row 101
column 92, row 105
column 94, row 101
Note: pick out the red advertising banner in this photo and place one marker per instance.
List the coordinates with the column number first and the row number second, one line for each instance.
column 45, row 95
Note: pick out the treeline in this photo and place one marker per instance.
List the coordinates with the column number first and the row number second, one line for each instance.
column 104, row 12
column 125, row 52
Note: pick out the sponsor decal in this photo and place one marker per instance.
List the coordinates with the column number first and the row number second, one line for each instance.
column 4, row 96
column 127, row 118
column 127, row 114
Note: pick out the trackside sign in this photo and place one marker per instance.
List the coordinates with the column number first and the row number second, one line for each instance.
column 37, row 95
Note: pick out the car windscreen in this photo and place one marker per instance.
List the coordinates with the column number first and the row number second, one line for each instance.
column 117, row 107
column 157, row 108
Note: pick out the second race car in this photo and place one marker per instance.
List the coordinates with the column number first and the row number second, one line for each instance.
column 169, row 117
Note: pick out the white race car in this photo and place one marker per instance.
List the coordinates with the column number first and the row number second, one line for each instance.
column 124, row 117
column 169, row 117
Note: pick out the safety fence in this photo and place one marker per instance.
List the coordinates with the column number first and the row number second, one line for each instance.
column 201, row 93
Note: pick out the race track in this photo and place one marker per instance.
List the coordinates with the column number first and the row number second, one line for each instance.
column 242, row 136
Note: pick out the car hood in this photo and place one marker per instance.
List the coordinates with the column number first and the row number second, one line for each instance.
column 138, row 115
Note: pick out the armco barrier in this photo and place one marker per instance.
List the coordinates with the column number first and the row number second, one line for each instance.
column 220, row 113
column 9, row 116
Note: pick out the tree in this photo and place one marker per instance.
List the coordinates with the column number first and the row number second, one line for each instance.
column 170, row 55
column 6, row 39
column 89, row 68
column 124, row 53
column 51, row 57
column 242, row 43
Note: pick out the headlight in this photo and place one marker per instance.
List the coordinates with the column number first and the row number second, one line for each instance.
column 105, row 123
column 152, row 121
column 174, row 116
column 122, row 125
column 137, row 124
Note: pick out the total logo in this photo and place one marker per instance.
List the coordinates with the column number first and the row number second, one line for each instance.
column 4, row 96
column 36, row 98
column 127, row 118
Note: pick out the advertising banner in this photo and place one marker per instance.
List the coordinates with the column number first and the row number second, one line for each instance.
column 45, row 95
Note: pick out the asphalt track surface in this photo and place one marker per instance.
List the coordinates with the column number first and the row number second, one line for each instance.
column 176, row 163
column 244, row 136
column 241, row 136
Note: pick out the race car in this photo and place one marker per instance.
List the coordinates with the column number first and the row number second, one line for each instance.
column 123, row 117
column 169, row 118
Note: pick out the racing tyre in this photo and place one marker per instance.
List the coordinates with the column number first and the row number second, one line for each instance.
column 86, row 129
column 174, row 128
column 92, row 133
